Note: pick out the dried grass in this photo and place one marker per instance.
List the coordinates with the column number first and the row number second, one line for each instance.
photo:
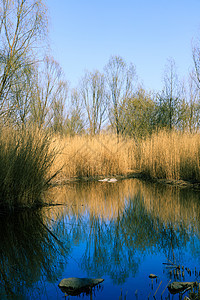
column 102, row 155
column 171, row 155
column 167, row 155
column 25, row 161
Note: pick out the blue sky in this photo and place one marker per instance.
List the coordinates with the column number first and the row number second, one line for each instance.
column 85, row 33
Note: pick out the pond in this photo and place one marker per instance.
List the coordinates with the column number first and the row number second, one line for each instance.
column 121, row 232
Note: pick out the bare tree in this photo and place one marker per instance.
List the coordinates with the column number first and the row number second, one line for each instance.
column 196, row 60
column 49, row 95
column 170, row 97
column 93, row 97
column 58, row 107
column 120, row 79
column 22, row 23
column 193, row 105
column 75, row 123
column 20, row 97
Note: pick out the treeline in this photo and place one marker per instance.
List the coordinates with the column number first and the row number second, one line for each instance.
column 35, row 100
column 34, row 91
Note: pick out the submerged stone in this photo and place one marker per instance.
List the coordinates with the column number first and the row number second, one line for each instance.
column 177, row 287
column 75, row 286
column 153, row 276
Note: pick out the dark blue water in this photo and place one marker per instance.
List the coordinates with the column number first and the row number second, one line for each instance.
column 121, row 232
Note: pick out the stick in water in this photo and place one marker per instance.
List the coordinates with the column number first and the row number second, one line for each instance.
column 157, row 289
column 166, row 287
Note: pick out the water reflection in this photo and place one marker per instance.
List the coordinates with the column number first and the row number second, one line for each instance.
column 122, row 221
column 113, row 226
column 106, row 200
column 28, row 255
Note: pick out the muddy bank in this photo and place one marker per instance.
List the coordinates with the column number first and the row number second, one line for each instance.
column 139, row 175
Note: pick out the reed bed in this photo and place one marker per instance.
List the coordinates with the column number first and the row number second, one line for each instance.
column 167, row 155
column 29, row 160
column 25, row 161
column 171, row 155
column 101, row 155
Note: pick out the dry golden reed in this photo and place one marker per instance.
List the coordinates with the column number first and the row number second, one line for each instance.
column 167, row 155
column 25, row 162
column 171, row 155
column 102, row 155
column 30, row 159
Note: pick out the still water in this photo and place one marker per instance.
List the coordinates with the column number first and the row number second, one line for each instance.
column 121, row 232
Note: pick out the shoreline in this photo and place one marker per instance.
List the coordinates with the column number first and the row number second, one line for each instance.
column 138, row 175
column 181, row 184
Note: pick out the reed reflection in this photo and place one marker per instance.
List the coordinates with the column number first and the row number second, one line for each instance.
column 121, row 222
column 108, row 201
column 113, row 225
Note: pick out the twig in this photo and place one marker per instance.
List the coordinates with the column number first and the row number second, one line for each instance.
column 157, row 289
column 173, row 253
column 166, row 287
column 171, row 262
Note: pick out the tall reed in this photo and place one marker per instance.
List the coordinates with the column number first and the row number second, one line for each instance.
column 171, row 155
column 25, row 162
column 101, row 155
column 167, row 155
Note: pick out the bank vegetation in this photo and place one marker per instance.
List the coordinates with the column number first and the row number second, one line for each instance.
column 107, row 125
column 167, row 155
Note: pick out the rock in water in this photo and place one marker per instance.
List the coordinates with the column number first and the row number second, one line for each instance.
column 112, row 180
column 153, row 276
column 104, row 180
column 108, row 180
column 177, row 287
column 75, row 286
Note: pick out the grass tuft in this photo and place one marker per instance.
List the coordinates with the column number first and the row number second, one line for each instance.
column 25, row 162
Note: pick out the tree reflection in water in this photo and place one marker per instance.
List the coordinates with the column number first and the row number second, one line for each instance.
column 121, row 223
column 28, row 255
column 114, row 227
